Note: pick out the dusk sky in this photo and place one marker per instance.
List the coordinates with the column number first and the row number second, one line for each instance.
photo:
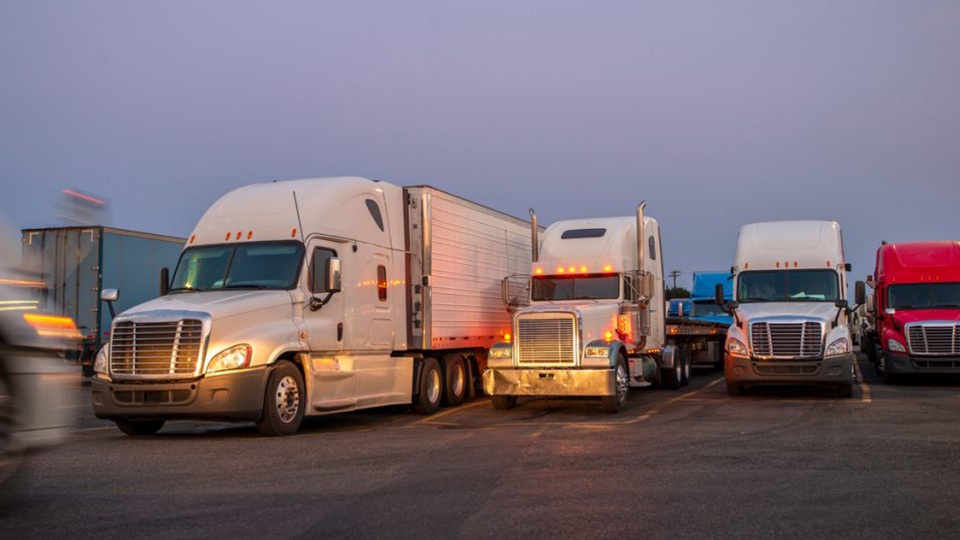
column 716, row 113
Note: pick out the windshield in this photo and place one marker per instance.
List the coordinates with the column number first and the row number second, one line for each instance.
column 262, row 265
column 788, row 286
column 576, row 288
column 924, row 296
column 706, row 309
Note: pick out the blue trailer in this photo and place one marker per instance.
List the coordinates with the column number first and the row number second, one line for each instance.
column 76, row 263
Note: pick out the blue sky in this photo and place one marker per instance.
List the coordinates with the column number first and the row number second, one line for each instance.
column 716, row 113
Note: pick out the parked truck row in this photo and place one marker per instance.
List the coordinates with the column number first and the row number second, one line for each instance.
column 312, row 297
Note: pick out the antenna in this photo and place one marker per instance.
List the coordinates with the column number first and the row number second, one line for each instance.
column 296, row 206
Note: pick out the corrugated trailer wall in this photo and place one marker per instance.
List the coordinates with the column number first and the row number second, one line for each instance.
column 470, row 249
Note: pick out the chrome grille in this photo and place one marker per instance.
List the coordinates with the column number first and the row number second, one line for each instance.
column 546, row 341
column 934, row 339
column 787, row 340
column 156, row 349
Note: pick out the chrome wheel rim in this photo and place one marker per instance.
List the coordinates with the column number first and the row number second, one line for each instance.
column 686, row 370
column 433, row 386
column 623, row 383
column 287, row 399
column 458, row 379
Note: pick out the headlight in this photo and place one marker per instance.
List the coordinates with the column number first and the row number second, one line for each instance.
column 501, row 353
column 895, row 346
column 597, row 352
column 235, row 357
column 736, row 348
column 838, row 347
column 101, row 362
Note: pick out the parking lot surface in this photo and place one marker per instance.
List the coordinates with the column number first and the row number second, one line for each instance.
column 779, row 462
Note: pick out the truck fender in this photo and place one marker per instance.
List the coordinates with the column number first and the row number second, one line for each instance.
column 614, row 348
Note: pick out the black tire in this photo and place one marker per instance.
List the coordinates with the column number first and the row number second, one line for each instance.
column 139, row 428
column 10, row 451
column 429, row 387
column 502, row 403
column 735, row 389
column 456, row 381
column 284, row 401
column 845, row 390
column 615, row 403
column 672, row 378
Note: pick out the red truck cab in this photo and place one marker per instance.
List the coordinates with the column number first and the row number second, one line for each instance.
column 916, row 306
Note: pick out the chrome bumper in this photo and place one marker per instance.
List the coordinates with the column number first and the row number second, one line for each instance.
column 550, row 382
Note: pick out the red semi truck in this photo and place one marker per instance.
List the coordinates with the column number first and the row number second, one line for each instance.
column 916, row 306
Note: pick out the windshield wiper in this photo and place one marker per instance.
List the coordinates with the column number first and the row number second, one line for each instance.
column 246, row 286
column 187, row 289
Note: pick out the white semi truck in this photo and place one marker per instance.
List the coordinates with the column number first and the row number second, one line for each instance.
column 791, row 320
column 593, row 323
column 312, row 297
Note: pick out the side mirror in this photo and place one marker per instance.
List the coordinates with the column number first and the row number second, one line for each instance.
column 718, row 294
column 848, row 267
column 333, row 282
column 110, row 296
column 872, row 303
column 860, row 292
column 164, row 281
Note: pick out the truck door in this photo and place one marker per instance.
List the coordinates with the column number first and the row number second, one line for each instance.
column 333, row 377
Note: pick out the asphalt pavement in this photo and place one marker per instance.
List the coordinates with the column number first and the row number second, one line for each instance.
column 779, row 462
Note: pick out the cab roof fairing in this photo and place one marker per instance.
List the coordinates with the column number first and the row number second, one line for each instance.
column 912, row 262
column 616, row 249
column 797, row 244
column 331, row 207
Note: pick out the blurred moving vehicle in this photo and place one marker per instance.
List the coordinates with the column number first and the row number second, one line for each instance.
column 77, row 263
column 311, row 297
column 35, row 379
column 916, row 308
column 790, row 309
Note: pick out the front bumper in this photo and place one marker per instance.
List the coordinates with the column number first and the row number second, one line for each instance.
column 231, row 396
column 550, row 382
column 836, row 370
column 904, row 363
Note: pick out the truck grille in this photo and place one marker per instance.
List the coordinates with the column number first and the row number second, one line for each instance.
column 156, row 349
column 787, row 340
column 934, row 339
column 546, row 341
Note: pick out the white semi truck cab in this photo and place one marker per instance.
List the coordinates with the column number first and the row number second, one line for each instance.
column 791, row 320
column 312, row 297
column 594, row 324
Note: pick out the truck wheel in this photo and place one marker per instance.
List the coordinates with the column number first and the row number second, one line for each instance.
column 687, row 357
column 502, row 403
column 456, row 381
column 734, row 389
column 614, row 404
column 430, row 387
column 845, row 390
column 672, row 377
column 136, row 428
column 9, row 449
column 283, row 401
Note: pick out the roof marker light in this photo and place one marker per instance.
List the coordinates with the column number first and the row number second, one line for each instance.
column 560, row 270
column 249, row 235
column 538, row 271
column 583, row 269
column 607, row 268
column 228, row 236
column 192, row 238
column 293, row 233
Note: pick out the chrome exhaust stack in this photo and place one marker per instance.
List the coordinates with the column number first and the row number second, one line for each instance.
column 534, row 236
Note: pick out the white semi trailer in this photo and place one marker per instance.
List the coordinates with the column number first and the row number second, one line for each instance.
column 595, row 324
column 791, row 321
column 312, row 297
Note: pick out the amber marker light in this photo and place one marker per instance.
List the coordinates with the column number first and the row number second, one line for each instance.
column 583, row 269
column 607, row 268
column 538, row 271
column 507, row 337
column 293, row 233
column 52, row 325
column 560, row 270
column 608, row 336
